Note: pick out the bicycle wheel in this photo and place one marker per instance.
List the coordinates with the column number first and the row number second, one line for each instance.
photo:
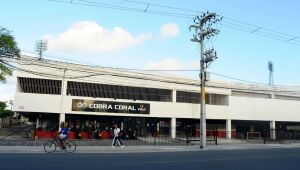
column 70, row 146
column 50, row 146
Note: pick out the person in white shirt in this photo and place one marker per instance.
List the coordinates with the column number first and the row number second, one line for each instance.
column 117, row 137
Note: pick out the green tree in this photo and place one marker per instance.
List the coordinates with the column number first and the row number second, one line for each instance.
column 3, row 111
column 8, row 49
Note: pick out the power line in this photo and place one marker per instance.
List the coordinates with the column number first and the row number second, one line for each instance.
column 141, row 77
column 262, row 28
column 254, row 27
column 163, row 6
column 94, row 73
column 117, row 7
column 241, row 80
column 261, row 32
column 116, row 68
column 250, row 28
column 149, row 80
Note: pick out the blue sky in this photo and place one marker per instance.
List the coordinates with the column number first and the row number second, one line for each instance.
column 137, row 40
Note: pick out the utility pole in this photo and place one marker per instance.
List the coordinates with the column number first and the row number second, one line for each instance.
column 202, row 30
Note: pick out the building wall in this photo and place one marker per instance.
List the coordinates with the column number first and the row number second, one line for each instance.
column 250, row 108
column 26, row 102
column 239, row 108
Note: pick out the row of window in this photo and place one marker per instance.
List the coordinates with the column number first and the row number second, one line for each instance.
column 46, row 86
column 193, row 97
column 41, row 86
column 118, row 92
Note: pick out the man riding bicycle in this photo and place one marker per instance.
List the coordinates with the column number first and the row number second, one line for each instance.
column 60, row 139
column 62, row 135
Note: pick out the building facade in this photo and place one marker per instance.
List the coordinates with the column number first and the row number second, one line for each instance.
column 87, row 97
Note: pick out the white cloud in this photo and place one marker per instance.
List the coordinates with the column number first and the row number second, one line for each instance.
column 89, row 36
column 165, row 64
column 175, row 64
column 169, row 30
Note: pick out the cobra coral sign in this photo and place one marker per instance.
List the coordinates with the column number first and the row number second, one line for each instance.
column 109, row 106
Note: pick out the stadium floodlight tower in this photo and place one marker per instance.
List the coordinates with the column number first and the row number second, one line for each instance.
column 41, row 47
column 271, row 69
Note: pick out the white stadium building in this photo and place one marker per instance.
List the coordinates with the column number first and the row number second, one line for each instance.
column 49, row 92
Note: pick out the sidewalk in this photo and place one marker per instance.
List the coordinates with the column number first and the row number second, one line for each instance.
column 144, row 149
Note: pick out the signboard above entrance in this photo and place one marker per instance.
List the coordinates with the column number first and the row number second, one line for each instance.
column 108, row 106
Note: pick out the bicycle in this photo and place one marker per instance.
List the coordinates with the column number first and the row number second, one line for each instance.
column 51, row 145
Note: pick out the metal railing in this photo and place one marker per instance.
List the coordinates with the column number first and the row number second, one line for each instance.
column 281, row 136
column 24, row 135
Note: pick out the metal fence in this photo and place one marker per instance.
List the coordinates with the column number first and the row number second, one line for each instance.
column 269, row 136
column 25, row 135
column 281, row 136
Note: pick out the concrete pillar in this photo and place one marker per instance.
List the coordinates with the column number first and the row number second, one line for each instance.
column 228, row 128
column 64, row 83
column 62, row 118
column 63, row 91
column 252, row 129
column 272, row 130
column 157, row 129
column 37, row 123
column 174, row 96
column 36, row 127
column 122, row 125
column 173, row 127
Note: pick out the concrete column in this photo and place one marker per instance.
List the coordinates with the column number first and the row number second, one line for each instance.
column 63, row 91
column 36, row 127
column 173, row 127
column 62, row 118
column 174, row 96
column 272, row 130
column 64, row 83
column 228, row 128
column 157, row 129
column 37, row 123
column 122, row 125
column 252, row 129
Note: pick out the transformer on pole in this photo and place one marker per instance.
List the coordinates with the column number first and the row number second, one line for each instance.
column 203, row 31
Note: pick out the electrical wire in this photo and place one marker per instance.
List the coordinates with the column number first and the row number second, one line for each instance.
column 140, row 76
column 93, row 72
column 249, row 28
column 150, row 81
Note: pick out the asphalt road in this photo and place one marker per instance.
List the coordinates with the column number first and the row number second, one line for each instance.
column 265, row 159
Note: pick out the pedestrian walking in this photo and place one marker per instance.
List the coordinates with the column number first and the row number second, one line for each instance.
column 117, row 137
column 92, row 130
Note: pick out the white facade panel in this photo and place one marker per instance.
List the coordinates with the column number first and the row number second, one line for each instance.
column 27, row 102
column 250, row 108
column 286, row 110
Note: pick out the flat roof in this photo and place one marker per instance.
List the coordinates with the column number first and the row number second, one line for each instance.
column 88, row 70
